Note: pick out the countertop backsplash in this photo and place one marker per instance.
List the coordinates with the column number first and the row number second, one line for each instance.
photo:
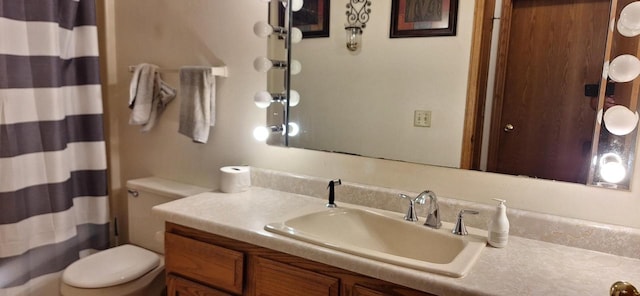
column 612, row 239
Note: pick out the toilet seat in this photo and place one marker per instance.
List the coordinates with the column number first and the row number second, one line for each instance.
column 110, row 267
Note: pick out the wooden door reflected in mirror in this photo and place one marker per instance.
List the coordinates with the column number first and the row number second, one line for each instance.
column 542, row 120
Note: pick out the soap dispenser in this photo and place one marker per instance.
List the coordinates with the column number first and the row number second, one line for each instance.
column 499, row 226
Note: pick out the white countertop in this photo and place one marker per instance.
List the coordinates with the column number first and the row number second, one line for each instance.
column 524, row 267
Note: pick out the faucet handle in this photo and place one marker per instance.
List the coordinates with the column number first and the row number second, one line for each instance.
column 411, row 212
column 465, row 211
column 418, row 199
column 460, row 228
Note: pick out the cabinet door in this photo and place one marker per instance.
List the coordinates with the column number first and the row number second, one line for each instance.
column 277, row 279
column 177, row 286
column 206, row 263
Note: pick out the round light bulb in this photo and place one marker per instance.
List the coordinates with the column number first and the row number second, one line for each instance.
column 262, row 64
column 262, row 99
column 624, row 31
column 612, row 172
column 611, row 168
column 296, row 35
column 261, row 133
column 294, row 98
column 630, row 16
column 296, row 67
column 619, row 120
column 296, row 5
column 294, row 129
column 624, row 68
column 262, row 29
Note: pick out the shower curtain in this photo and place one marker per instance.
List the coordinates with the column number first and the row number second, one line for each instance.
column 53, row 178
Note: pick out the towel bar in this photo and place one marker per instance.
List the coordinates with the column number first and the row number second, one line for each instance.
column 216, row 71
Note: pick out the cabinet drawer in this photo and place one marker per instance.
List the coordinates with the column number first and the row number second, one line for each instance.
column 277, row 279
column 384, row 290
column 206, row 263
column 362, row 291
column 177, row 286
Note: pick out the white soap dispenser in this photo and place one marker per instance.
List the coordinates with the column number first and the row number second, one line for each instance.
column 499, row 226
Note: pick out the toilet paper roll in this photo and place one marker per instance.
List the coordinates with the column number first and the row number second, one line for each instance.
column 234, row 179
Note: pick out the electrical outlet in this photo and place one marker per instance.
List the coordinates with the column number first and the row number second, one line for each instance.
column 422, row 118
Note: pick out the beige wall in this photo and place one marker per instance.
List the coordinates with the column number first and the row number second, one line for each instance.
column 211, row 32
column 386, row 80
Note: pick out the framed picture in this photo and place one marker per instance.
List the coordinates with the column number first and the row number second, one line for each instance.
column 312, row 19
column 423, row 18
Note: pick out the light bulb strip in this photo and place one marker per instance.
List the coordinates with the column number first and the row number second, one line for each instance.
column 264, row 64
column 287, row 76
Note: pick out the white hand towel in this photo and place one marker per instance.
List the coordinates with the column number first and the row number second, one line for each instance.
column 141, row 92
column 163, row 95
column 198, row 99
column 148, row 96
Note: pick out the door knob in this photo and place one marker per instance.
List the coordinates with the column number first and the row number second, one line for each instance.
column 508, row 127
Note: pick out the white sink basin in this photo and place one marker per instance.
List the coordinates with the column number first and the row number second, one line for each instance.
column 384, row 238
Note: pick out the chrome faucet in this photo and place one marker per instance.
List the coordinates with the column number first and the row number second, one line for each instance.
column 411, row 212
column 460, row 229
column 433, row 213
column 332, row 194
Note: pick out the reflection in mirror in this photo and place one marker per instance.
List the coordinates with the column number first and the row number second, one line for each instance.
column 405, row 98
column 363, row 102
column 617, row 119
column 542, row 118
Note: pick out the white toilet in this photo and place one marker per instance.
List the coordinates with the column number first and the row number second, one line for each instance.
column 136, row 268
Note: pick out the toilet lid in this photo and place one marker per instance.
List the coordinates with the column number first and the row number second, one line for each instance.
column 110, row 267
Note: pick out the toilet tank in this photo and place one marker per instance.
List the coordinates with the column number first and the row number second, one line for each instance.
column 145, row 229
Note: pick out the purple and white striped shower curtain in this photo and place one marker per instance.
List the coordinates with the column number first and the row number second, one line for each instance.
column 53, row 181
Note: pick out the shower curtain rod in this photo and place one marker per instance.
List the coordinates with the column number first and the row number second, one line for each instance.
column 216, row 71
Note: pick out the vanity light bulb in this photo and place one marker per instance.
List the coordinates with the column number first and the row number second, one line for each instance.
column 296, row 5
column 296, row 35
column 619, row 120
column 262, row 99
column 611, row 168
column 626, row 32
column 262, row 64
column 261, row 133
column 296, row 67
column 630, row 19
column 294, row 129
column 613, row 172
column 262, row 29
column 294, row 98
column 624, row 68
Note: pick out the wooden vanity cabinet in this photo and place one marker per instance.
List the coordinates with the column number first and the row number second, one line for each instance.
column 200, row 263
column 177, row 285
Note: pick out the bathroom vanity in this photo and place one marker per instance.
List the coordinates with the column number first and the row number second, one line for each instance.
column 216, row 243
column 201, row 263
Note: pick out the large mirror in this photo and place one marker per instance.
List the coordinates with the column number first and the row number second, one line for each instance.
column 519, row 94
